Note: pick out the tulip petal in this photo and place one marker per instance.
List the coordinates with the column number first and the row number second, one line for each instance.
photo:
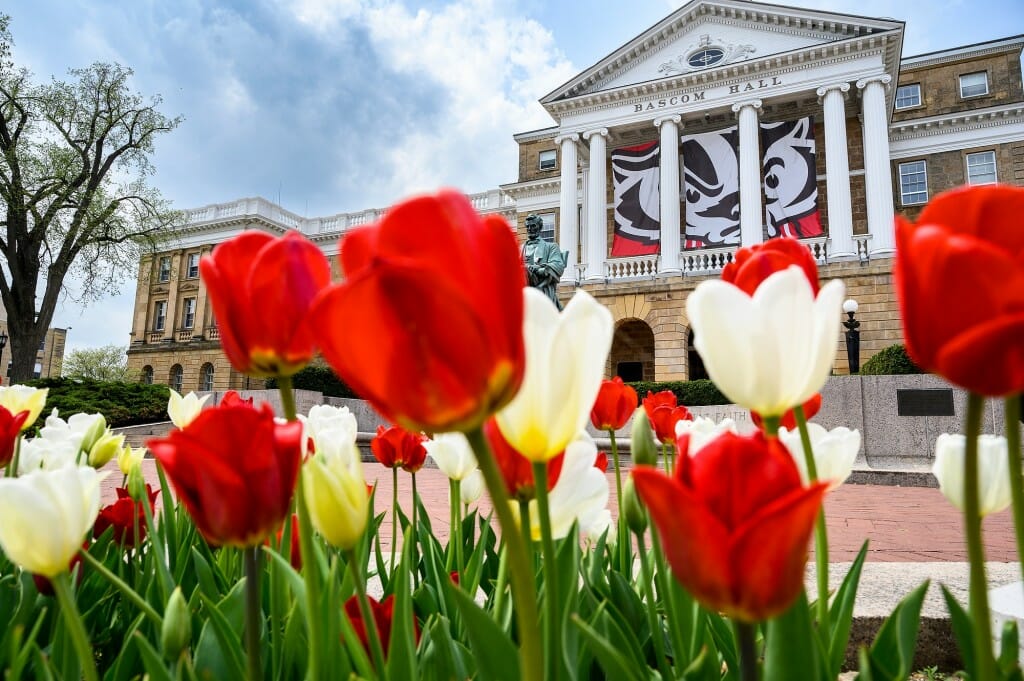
column 720, row 314
column 991, row 213
column 967, row 359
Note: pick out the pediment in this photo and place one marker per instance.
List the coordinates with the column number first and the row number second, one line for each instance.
column 708, row 35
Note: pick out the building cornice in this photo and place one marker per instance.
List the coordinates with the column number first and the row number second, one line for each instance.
column 534, row 135
column 957, row 122
column 543, row 187
column 920, row 61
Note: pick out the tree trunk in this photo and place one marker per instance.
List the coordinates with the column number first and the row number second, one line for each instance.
column 24, row 347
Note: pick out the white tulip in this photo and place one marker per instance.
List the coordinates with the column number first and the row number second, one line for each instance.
column 47, row 454
column 770, row 351
column 703, row 430
column 80, row 430
column 453, row 455
column 19, row 398
column 333, row 431
column 337, row 498
column 993, row 471
column 565, row 358
column 579, row 496
column 46, row 516
column 183, row 410
column 834, row 452
column 472, row 487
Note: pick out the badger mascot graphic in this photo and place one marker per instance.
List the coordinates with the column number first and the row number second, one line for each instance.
column 790, row 178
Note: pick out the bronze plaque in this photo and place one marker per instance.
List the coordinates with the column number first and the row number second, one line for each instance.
column 935, row 402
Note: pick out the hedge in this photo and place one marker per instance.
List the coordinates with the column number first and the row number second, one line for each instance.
column 122, row 404
column 698, row 393
column 891, row 360
column 318, row 378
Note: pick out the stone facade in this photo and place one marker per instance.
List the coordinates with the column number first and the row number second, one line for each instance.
column 49, row 357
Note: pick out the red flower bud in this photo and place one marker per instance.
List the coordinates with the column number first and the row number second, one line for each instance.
column 10, row 427
column 383, row 616
column 615, row 403
column 396, row 447
column 753, row 264
column 122, row 515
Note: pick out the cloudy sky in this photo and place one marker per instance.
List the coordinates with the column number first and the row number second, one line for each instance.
column 338, row 105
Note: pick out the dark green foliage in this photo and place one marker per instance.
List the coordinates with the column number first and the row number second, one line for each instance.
column 122, row 404
column 697, row 393
column 318, row 378
column 891, row 360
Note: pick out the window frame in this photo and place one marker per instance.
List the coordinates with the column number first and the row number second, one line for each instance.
column 967, row 166
column 903, row 192
column 147, row 374
column 188, row 313
column 976, row 94
column 206, row 371
column 192, row 265
column 164, row 273
column 177, row 379
column 920, row 98
column 160, row 315
column 554, row 160
column 549, row 218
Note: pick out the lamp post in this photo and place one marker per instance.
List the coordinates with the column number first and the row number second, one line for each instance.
column 852, row 335
column 3, row 344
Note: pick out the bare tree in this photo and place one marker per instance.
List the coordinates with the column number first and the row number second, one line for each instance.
column 74, row 196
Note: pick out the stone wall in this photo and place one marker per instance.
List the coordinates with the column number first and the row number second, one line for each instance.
column 940, row 85
column 529, row 159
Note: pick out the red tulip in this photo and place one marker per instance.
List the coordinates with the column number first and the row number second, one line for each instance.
column 428, row 324
column 10, row 428
column 735, row 521
column 396, row 447
column 232, row 398
column 601, row 462
column 959, row 276
column 234, row 468
column 261, row 289
column 615, row 403
column 788, row 420
column 294, row 550
column 753, row 264
column 664, row 420
column 121, row 516
column 383, row 615
column 516, row 469
column 665, row 398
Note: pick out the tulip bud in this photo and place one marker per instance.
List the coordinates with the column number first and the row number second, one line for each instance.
column 176, row 634
column 137, row 485
column 337, row 499
column 642, row 447
column 128, row 458
column 632, row 510
column 471, row 487
column 96, row 430
column 105, row 449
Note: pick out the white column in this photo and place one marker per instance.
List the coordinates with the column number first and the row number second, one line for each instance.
column 584, row 220
column 751, row 220
column 567, row 228
column 597, row 213
column 877, row 173
column 669, row 128
column 837, row 173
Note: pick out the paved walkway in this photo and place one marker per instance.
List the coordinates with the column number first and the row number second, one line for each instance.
column 903, row 524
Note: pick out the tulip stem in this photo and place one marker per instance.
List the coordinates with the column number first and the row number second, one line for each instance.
column 394, row 515
column 456, row 487
column 820, row 528
column 524, row 592
column 16, row 461
column 623, row 533
column 664, row 458
column 982, row 627
column 652, row 610
column 1013, row 418
column 665, row 589
column 284, row 388
column 746, row 639
column 551, row 595
column 369, row 623
column 123, row 587
column 79, row 637
column 412, row 537
column 311, row 574
column 253, row 612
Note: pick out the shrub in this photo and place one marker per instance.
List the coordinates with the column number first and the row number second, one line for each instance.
column 891, row 360
column 698, row 393
column 122, row 404
column 319, row 378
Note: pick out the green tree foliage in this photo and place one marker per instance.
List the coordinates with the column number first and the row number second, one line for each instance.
column 319, row 378
column 74, row 199
column 698, row 393
column 891, row 360
column 123, row 404
column 107, row 363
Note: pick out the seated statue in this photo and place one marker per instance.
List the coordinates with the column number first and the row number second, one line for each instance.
column 543, row 261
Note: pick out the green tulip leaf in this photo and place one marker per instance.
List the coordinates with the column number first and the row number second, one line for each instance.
column 219, row 651
column 892, row 654
column 614, row 663
column 792, row 650
column 960, row 622
column 497, row 659
column 841, row 614
column 151, row 660
column 401, row 662
column 721, row 633
column 1009, row 649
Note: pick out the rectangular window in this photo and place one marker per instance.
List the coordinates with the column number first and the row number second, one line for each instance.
column 547, row 160
column 42, row 345
column 193, row 265
column 188, row 319
column 159, row 315
column 913, row 183
column 908, row 96
column 974, row 84
column 165, row 269
column 547, row 232
column 981, row 167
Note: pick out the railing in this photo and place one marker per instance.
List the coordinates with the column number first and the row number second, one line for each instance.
column 491, row 200
column 212, row 333
column 637, row 266
column 184, row 336
column 861, row 241
column 818, row 246
column 155, row 337
column 706, row 260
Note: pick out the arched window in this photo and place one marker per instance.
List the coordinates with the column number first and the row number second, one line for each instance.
column 206, row 377
column 177, row 377
column 147, row 375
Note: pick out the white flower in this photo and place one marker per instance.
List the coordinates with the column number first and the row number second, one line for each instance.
column 333, row 430
column 19, row 398
column 580, row 495
column 80, row 430
column 452, row 454
column 47, row 454
column 46, row 514
column 130, row 457
column 472, row 487
column 183, row 410
column 771, row 351
column 337, row 498
column 565, row 358
column 702, row 430
column 834, row 452
column 993, row 471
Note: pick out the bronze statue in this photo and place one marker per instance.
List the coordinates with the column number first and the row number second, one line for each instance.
column 543, row 261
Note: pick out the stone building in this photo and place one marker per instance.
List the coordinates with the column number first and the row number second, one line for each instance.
column 49, row 356
column 726, row 123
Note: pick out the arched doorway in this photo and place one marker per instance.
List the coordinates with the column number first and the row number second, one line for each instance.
column 694, row 364
column 632, row 354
